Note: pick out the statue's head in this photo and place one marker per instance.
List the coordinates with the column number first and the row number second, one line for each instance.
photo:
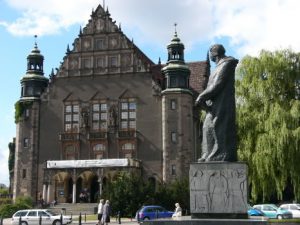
column 216, row 50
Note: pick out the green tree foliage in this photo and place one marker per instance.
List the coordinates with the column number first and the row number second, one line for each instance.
column 7, row 210
column 128, row 193
column 268, row 117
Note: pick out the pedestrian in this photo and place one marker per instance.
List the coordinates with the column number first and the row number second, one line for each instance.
column 178, row 211
column 106, row 213
column 100, row 211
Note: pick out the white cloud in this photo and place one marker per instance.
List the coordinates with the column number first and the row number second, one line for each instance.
column 250, row 25
column 4, row 152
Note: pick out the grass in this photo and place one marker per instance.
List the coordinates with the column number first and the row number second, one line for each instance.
column 284, row 221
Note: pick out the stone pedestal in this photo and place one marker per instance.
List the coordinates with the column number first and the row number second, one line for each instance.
column 218, row 190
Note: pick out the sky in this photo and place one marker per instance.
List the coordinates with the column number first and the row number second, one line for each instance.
column 244, row 27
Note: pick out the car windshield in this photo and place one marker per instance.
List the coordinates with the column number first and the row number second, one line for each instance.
column 51, row 213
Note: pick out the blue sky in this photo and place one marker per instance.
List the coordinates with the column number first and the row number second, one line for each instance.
column 242, row 26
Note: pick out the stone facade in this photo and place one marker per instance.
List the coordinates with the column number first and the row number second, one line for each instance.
column 107, row 100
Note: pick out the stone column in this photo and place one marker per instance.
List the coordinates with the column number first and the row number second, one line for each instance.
column 48, row 192
column 74, row 193
column 44, row 191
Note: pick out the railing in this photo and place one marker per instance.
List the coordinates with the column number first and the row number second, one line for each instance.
column 97, row 135
column 127, row 134
column 69, row 136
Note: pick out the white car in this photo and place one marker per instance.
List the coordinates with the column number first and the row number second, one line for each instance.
column 293, row 208
column 32, row 217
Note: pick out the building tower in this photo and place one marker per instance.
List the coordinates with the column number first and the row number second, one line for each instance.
column 33, row 83
column 177, row 105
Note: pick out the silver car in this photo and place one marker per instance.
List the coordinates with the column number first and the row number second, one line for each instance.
column 293, row 208
column 32, row 217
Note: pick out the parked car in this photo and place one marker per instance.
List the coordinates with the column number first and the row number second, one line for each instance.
column 293, row 208
column 151, row 212
column 272, row 211
column 254, row 212
column 32, row 217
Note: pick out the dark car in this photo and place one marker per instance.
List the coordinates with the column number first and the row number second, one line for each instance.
column 150, row 212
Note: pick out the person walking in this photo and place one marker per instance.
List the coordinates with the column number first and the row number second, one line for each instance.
column 106, row 213
column 100, row 211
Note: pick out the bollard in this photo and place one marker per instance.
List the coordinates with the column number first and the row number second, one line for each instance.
column 61, row 219
column 119, row 217
column 79, row 220
column 1, row 220
column 20, row 220
column 40, row 220
column 85, row 217
column 71, row 216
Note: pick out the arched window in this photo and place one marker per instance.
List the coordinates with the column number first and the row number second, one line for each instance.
column 99, row 147
column 128, row 146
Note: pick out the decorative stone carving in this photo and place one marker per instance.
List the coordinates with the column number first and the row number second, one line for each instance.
column 218, row 189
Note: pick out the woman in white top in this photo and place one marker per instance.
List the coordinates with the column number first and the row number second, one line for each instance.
column 100, row 210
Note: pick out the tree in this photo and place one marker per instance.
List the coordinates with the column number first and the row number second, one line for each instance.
column 268, row 118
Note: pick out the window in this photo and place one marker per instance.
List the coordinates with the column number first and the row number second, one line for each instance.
column 128, row 146
column 173, row 169
column 86, row 63
column 71, row 118
column 26, row 142
column 27, row 113
column 70, row 152
column 100, row 62
column 24, row 173
column 113, row 61
column 99, row 147
column 99, row 116
column 32, row 213
column 128, row 114
column 173, row 104
column 100, row 44
column 174, row 137
column 98, row 150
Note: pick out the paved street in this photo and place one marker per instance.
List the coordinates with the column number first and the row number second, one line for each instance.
column 113, row 221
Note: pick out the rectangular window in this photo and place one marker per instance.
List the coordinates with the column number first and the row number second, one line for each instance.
column 101, row 62
column 128, row 114
column 113, row 61
column 173, row 170
column 99, row 116
column 72, row 118
column 100, row 44
column 26, row 142
column 174, row 137
column 173, row 104
column 24, row 173
column 86, row 63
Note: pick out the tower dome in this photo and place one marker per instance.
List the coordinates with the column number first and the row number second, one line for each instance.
column 33, row 82
column 176, row 72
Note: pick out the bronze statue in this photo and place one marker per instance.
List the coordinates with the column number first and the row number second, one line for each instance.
column 218, row 100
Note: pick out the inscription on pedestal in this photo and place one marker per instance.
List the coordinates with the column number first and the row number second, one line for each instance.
column 218, row 189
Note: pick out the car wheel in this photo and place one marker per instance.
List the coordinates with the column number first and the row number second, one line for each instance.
column 57, row 222
column 24, row 223
column 146, row 218
column 279, row 217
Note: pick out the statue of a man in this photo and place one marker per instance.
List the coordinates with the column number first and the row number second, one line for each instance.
column 218, row 100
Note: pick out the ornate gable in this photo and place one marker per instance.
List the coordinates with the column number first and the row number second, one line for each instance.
column 101, row 48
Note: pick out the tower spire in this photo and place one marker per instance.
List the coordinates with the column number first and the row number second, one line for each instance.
column 35, row 41
column 175, row 26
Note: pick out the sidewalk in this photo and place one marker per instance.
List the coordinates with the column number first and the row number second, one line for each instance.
column 94, row 222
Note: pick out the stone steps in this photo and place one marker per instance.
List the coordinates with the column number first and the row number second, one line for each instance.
column 75, row 209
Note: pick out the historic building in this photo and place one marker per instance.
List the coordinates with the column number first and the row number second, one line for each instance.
column 107, row 108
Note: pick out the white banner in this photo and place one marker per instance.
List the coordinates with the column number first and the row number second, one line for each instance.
column 87, row 163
